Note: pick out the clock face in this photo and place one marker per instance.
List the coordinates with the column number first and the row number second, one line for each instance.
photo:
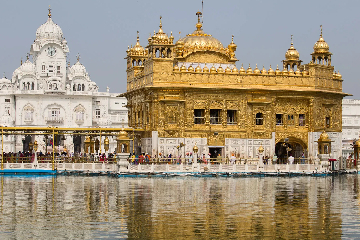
column 51, row 51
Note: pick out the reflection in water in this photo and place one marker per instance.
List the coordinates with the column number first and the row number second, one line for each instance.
column 73, row 207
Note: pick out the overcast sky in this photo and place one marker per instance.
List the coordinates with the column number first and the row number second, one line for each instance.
column 101, row 31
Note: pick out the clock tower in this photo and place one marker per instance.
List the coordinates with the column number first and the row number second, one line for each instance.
column 49, row 56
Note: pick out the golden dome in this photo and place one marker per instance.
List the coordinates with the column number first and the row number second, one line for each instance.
column 249, row 70
column 291, row 72
column 292, row 53
column 213, row 69
column 190, row 68
column 205, row 69
column 285, row 71
column 263, row 71
column 321, row 46
column 324, row 137
column 198, row 68
column 277, row 71
column 122, row 135
column 137, row 49
column 220, row 69
column 183, row 68
column 256, row 70
column 271, row 71
column 160, row 37
column 200, row 41
column 297, row 72
column 339, row 75
column 227, row 70
column 176, row 68
column 235, row 70
column 242, row 70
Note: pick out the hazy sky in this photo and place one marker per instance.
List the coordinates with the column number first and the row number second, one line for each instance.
column 101, row 31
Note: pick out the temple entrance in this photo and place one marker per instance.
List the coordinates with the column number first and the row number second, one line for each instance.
column 77, row 143
column 215, row 151
column 290, row 147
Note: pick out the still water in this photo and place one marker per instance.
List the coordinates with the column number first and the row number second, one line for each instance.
column 73, row 207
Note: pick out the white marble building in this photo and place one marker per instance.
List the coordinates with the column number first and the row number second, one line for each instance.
column 47, row 91
column 350, row 124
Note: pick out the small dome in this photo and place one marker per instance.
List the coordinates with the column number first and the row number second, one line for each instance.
column 190, row 68
column 137, row 49
column 176, row 68
column 205, row 69
column 291, row 71
column 122, row 135
column 285, row 71
column 339, row 75
column 304, row 73
column 297, row 72
column 235, row 70
column 271, row 71
column 183, row 68
column 5, row 81
column 263, row 71
column 324, row 137
column 292, row 53
column 213, row 69
column 277, row 71
column 198, row 68
column 321, row 46
column 256, row 70
column 220, row 69
column 78, row 70
column 27, row 67
column 249, row 70
column 49, row 31
column 227, row 70
column 242, row 70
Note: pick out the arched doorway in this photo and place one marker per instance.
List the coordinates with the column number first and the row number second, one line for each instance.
column 290, row 147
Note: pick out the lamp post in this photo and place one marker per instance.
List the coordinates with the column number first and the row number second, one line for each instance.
column 195, row 150
column 106, row 145
column 261, row 150
column 35, row 149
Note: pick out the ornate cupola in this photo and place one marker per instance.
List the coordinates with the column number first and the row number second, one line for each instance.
column 321, row 54
column 160, row 45
column 292, row 58
column 136, row 56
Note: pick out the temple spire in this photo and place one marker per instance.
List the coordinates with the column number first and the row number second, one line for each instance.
column 321, row 31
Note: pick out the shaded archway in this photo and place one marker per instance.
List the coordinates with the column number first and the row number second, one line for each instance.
column 290, row 146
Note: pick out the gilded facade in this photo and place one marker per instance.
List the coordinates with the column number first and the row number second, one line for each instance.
column 192, row 91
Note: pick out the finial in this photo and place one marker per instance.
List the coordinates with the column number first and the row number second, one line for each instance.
column 198, row 14
column 49, row 12
column 69, row 63
column 21, row 61
column 154, row 33
column 292, row 43
column 160, row 22
column 232, row 39
column 179, row 35
column 4, row 75
column 249, row 65
column 137, row 38
column 321, row 31
column 78, row 57
column 27, row 56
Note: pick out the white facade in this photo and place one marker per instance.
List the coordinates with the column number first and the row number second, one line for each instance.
column 350, row 124
column 49, row 92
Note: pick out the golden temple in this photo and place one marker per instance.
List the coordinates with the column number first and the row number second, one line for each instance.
column 191, row 92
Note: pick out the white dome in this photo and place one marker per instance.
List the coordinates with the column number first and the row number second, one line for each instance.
column 5, row 81
column 78, row 70
column 27, row 68
column 49, row 30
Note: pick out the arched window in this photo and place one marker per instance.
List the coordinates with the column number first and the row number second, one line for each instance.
column 83, row 87
column 23, row 86
column 32, row 86
column 74, row 87
column 259, row 119
column 79, row 87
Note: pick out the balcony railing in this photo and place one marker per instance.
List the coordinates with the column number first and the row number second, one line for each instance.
column 55, row 119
